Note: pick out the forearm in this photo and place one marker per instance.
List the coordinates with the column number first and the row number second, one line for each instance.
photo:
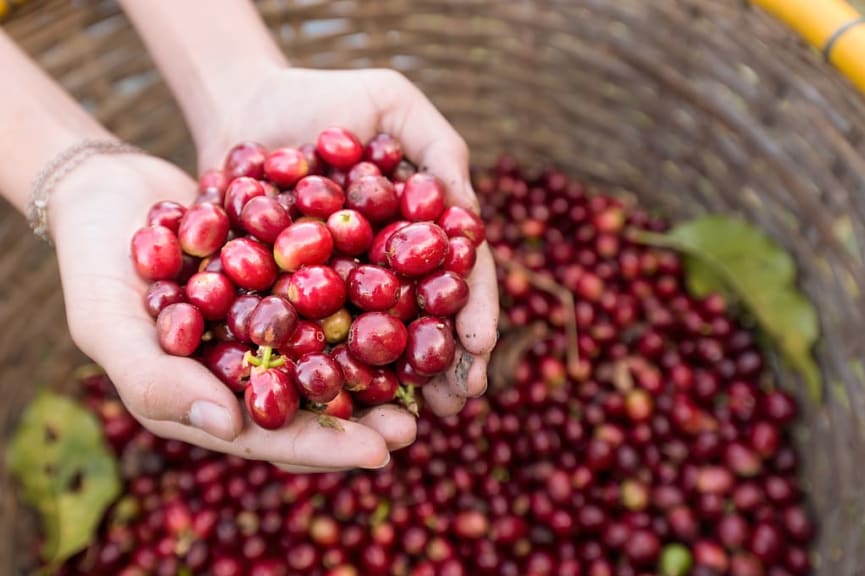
column 206, row 51
column 39, row 121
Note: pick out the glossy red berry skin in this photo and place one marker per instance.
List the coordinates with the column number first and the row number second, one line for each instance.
column 406, row 373
column 179, row 328
column 156, row 253
column 318, row 197
column 423, row 198
column 417, row 249
column 356, row 374
column 318, row 377
column 308, row 338
column 304, row 243
column 340, row 407
column 374, row 197
column 339, row 147
column 352, row 233
column 212, row 293
column 273, row 322
column 238, row 316
column 166, row 213
column 406, row 308
column 225, row 360
column 378, row 250
column 382, row 388
column 376, row 338
column 456, row 221
column 213, row 182
column 316, row 291
column 203, row 230
column 271, row 398
column 249, row 264
column 285, row 166
column 360, row 170
column 430, row 346
column 264, row 217
column 162, row 293
column 239, row 192
column 373, row 288
column 343, row 266
column 384, row 151
column 461, row 256
column 245, row 159
column 442, row 294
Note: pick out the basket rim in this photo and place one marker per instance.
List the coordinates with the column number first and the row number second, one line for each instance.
column 835, row 28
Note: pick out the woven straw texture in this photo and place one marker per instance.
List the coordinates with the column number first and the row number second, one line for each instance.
column 691, row 105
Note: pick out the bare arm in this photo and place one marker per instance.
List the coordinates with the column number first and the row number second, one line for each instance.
column 208, row 52
column 39, row 121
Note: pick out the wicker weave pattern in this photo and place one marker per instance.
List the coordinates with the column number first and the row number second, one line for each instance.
column 691, row 105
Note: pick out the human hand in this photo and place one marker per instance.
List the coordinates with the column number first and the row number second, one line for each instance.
column 282, row 106
column 94, row 213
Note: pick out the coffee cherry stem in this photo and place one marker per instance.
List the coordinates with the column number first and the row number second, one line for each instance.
column 510, row 350
column 264, row 358
column 563, row 294
column 406, row 395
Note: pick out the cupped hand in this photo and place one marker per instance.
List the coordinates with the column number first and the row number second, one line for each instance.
column 94, row 213
column 290, row 106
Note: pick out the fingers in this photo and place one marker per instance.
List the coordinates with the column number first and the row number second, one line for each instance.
column 292, row 469
column 441, row 399
column 427, row 137
column 157, row 386
column 396, row 425
column 468, row 375
column 304, row 444
column 477, row 322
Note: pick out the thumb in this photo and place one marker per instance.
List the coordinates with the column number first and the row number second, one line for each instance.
column 157, row 386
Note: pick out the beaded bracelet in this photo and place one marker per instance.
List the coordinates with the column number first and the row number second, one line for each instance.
column 60, row 167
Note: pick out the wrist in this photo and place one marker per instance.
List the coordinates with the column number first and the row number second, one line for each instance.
column 94, row 188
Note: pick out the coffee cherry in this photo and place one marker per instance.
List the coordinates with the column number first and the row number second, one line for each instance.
column 303, row 243
column 318, row 377
column 318, row 197
column 156, row 253
column 417, row 249
column 248, row 264
column 376, row 338
column 316, row 291
column 285, row 166
column 271, row 398
column 179, row 328
column 338, row 147
column 430, row 345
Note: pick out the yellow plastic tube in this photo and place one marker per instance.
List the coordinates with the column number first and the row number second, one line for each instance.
column 833, row 27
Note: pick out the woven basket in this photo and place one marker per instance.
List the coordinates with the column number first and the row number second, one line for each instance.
column 692, row 105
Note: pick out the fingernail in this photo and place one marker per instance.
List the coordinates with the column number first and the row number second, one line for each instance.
column 484, row 388
column 212, row 418
column 385, row 463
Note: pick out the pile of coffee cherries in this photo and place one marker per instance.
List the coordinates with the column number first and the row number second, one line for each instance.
column 662, row 448
column 329, row 273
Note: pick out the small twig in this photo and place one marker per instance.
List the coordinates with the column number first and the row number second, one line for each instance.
column 510, row 350
column 563, row 294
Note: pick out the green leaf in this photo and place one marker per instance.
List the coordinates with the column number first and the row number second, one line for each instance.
column 65, row 471
column 728, row 255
